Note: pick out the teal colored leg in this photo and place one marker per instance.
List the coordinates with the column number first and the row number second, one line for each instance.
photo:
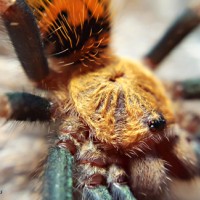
column 58, row 175
column 121, row 192
column 189, row 89
column 196, row 146
column 98, row 193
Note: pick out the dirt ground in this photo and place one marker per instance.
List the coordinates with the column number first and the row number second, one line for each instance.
column 137, row 26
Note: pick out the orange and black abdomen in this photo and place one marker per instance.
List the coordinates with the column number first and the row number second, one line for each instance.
column 78, row 30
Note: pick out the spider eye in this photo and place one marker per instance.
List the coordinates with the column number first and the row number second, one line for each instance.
column 157, row 125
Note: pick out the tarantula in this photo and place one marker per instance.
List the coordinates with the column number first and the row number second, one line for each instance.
column 117, row 136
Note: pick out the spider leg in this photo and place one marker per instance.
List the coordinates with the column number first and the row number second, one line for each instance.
column 120, row 191
column 186, row 23
column 25, row 107
column 196, row 147
column 95, row 189
column 186, row 158
column 190, row 122
column 97, row 193
column 24, row 34
column 117, row 184
column 180, row 154
column 91, row 172
column 149, row 177
column 96, row 173
column 58, row 175
column 188, row 89
column 117, row 180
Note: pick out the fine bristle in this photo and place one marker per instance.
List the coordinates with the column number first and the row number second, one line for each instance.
column 76, row 31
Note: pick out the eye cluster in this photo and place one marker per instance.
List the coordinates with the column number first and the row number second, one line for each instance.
column 157, row 124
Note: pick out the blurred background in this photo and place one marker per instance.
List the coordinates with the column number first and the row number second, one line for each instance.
column 137, row 25
column 140, row 23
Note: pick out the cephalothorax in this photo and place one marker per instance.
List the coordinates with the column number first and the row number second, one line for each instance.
column 117, row 136
column 119, row 102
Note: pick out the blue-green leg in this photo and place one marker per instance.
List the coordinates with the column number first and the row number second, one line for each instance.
column 189, row 89
column 96, row 193
column 120, row 191
column 58, row 181
column 117, row 180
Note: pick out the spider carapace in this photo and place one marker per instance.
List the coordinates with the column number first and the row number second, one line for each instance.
column 113, row 117
column 122, row 103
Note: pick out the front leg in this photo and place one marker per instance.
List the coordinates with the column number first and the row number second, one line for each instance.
column 24, row 34
column 22, row 106
column 58, row 175
column 180, row 154
column 149, row 178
